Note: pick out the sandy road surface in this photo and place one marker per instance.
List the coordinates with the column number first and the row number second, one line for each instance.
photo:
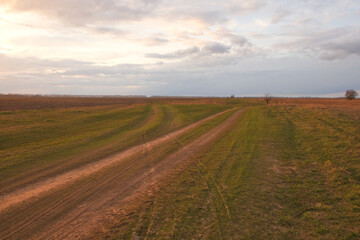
column 93, row 200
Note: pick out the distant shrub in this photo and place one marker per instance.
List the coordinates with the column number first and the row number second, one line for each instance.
column 267, row 98
column 351, row 94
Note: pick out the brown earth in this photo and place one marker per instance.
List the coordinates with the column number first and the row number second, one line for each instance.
column 32, row 102
column 70, row 205
column 73, row 175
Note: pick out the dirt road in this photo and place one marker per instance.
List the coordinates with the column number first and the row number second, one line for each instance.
column 69, row 205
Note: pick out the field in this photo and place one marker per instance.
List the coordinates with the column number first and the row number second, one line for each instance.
column 179, row 168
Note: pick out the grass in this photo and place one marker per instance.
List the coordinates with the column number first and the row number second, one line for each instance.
column 289, row 170
column 322, row 192
column 32, row 140
column 69, row 197
column 283, row 172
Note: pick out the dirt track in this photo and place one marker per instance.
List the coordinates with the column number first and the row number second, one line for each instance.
column 71, row 204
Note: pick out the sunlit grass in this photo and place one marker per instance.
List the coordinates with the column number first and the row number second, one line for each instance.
column 35, row 139
column 280, row 173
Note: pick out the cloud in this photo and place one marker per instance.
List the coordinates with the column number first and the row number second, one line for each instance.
column 209, row 49
column 175, row 55
column 279, row 15
column 208, row 17
column 108, row 30
column 9, row 64
column 33, row 75
column 156, row 40
column 331, row 44
column 239, row 41
column 244, row 7
column 178, row 46
column 209, row 12
column 228, row 74
column 83, row 12
column 339, row 50
column 216, row 48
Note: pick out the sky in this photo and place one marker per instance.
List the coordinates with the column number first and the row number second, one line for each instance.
column 180, row 48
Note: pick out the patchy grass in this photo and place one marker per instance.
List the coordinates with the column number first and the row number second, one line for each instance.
column 321, row 191
column 41, row 137
column 93, row 187
column 283, row 172
column 32, row 140
column 289, row 170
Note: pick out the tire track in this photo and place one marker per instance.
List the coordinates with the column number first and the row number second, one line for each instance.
column 38, row 174
column 83, row 193
column 80, row 222
column 83, row 208
column 73, row 175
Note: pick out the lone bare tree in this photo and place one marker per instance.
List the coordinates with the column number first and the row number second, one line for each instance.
column 351, row 94
column 267, row 98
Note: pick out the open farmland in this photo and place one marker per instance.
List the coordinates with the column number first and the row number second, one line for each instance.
column 181, row 168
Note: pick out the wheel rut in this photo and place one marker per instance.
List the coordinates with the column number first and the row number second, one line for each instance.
column 127, row 179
